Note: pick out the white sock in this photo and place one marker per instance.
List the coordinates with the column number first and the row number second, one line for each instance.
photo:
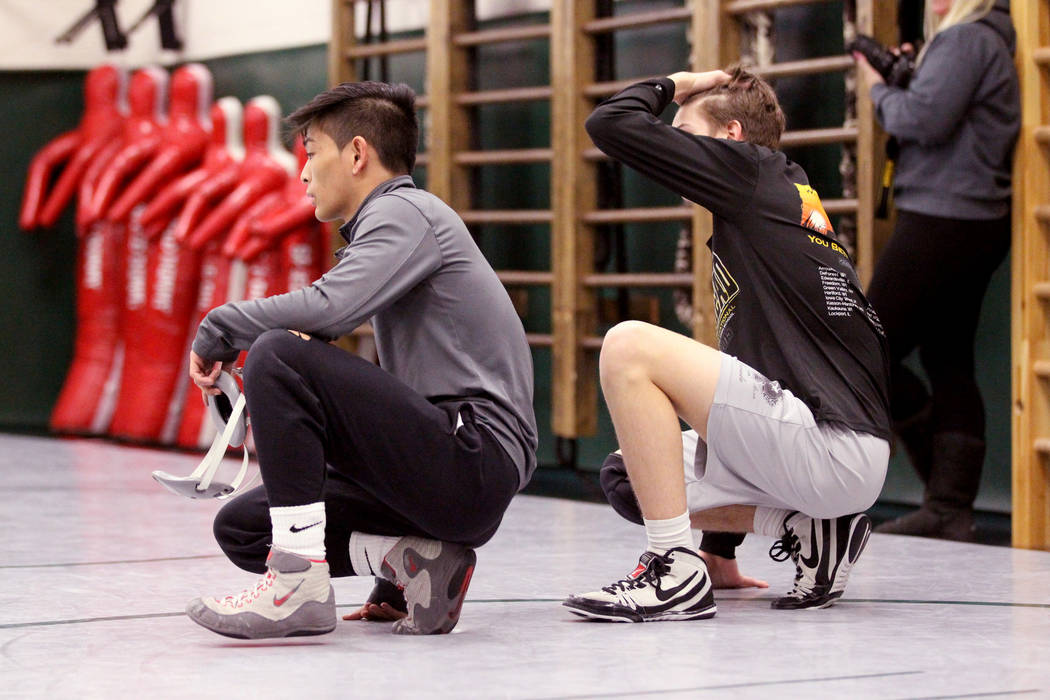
column 667, row 534
column 300, row 529
column 770, row 521
column 367, row 552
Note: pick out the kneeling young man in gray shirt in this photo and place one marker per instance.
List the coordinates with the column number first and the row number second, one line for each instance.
column 395, row 471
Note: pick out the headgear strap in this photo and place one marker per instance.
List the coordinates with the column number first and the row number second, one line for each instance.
column 227, row 413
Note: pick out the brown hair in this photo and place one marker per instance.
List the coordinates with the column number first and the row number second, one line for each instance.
column 382, row 114
column 747, row 99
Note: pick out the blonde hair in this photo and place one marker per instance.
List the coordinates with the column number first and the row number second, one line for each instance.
column 961, row 12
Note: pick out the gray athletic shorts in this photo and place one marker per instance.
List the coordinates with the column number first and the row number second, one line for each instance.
column 765, row 449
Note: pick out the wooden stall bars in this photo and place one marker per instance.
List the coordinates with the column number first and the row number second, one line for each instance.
column 700, row 21
column 573, row 195
column 1030, row 307
column 576, row 28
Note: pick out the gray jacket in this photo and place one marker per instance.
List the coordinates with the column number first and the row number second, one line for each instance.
column 444, row 324
column 958, row 121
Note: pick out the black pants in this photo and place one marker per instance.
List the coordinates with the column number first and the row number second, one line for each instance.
column 331, row 426
column 927, row 288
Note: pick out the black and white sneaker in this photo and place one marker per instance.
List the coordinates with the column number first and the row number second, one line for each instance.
column 672, row 586
column 824, row 552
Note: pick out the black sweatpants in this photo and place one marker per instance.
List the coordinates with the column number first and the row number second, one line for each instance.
column 927, row 288
column 331, row 426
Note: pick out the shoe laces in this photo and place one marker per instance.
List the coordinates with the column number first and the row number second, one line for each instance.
column 647, row 577
column 249, row 595
column 789, row 546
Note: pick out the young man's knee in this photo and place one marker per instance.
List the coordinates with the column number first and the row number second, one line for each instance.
column 458, row 532
column 624, row 347
column 268, row 351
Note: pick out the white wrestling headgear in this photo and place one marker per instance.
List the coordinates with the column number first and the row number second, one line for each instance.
column 221, row 409
column 231, row 422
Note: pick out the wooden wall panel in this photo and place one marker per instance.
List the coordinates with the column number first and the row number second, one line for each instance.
column 1030, row 285
column 573, row 194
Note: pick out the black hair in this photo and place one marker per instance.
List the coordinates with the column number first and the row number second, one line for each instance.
column 382, row 114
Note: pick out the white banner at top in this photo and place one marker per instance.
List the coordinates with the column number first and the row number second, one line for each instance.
column 207, row 28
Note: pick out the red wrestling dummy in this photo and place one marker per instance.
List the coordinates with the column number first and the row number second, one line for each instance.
column 162, row 275
column 263, row 171
column 222, row 156
column 181, row 146
column 265, row 168
column 88, row 396
column 287, row 227
column 274, row 265
column 100, row 125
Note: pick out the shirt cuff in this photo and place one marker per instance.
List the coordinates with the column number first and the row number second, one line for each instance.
column 665, row 89
column 208, row 343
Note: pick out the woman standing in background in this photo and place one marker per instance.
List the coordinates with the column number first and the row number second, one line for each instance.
column 957, row 124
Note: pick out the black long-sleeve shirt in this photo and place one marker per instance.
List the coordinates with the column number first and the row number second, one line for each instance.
column 788, row 302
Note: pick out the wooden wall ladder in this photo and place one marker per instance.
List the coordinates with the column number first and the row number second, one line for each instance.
column 1030, row 269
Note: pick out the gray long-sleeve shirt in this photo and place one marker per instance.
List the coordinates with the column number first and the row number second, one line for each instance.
column 443, row 322
column 957, row 122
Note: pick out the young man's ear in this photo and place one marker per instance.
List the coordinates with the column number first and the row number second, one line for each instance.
column 358, row 153
column 735, row 129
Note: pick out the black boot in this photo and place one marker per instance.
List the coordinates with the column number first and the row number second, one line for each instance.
column 916, row 434
column 947, row 509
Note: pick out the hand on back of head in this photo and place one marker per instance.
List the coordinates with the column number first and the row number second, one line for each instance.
column 687, row 84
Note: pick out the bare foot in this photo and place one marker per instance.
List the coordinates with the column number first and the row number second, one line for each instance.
column 726, row 574
column 375, row 613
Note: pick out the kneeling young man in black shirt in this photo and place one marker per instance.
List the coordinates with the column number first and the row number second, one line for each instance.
column 791, row 409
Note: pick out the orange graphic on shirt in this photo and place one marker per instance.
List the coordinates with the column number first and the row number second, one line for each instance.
column 813, row 215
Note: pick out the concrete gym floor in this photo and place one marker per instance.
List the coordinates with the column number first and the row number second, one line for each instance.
column 97, row 563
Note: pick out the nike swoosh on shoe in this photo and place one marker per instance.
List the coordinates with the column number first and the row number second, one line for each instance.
column 278, row 602
column 813, row 559
column 664, row 596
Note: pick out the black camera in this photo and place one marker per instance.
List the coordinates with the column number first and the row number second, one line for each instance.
column 895, row 69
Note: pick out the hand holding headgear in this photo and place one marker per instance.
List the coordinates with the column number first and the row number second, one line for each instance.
column 226, row 409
